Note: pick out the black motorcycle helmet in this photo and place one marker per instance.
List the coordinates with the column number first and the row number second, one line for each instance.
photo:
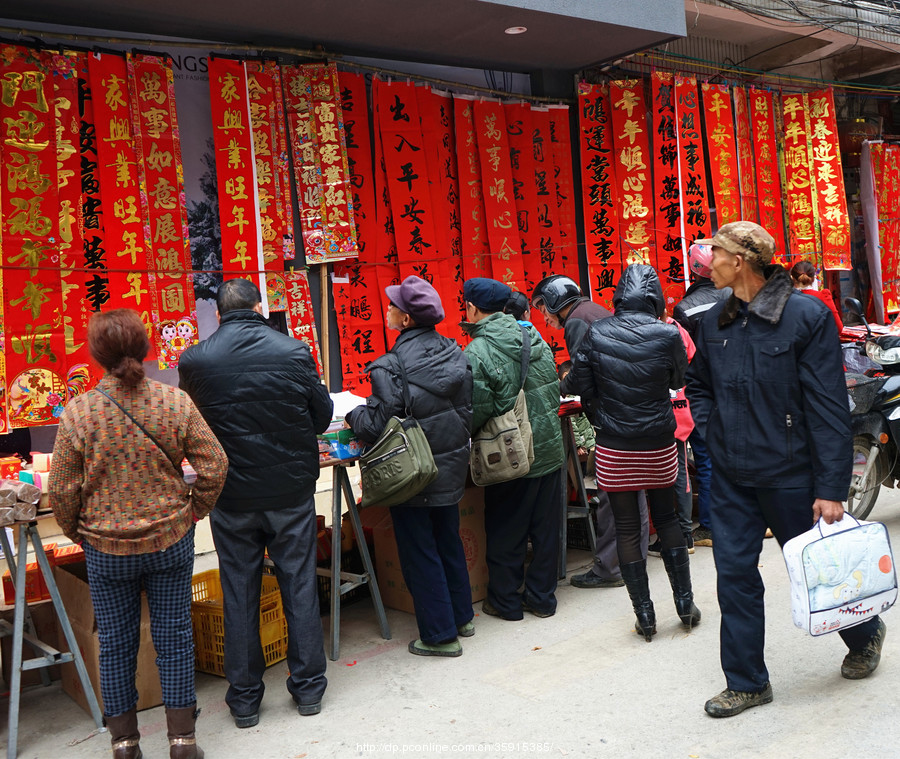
column 555, row 293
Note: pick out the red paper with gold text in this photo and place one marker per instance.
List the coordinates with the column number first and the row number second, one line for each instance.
column 561, row 150
column 722, row 149
column 768, row 177
column 803, row 235
column 475, row 249
column 745, row 155
column 694, row 202
column 834, row 223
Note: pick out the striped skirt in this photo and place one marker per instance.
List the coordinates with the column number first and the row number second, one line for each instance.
column 620, row 471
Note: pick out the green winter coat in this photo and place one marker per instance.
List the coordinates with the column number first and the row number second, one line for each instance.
column 495, row 354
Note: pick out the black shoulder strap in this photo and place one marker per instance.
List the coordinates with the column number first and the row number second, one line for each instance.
column 407, row 398
column 526, row 355
column 140, row 427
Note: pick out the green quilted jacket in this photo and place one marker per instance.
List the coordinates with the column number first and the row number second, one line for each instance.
column 495, row 354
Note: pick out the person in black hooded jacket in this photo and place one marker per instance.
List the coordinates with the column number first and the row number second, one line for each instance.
column 431, row 553
column 629, row 362
column 260, row 393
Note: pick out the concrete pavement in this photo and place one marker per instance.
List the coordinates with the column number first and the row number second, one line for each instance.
column 580, row 684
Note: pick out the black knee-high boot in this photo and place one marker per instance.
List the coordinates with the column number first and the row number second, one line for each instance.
column 678, row 567
column 635, row 576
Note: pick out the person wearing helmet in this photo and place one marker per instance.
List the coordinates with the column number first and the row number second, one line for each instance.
column 564, row 307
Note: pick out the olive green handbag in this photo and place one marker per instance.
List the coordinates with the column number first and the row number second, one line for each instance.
column 503, row 449
column 399, row 465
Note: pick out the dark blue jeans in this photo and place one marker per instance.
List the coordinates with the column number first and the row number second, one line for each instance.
column 241, row 539
column 704, row 475
column 115, row 583
column 434, row 568
column 740, row 516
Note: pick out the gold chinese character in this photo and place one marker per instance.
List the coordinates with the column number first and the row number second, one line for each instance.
column 830, row 194
column 172, row 297
column 22, row 174
column 503, row 221
column 118, row 130
column 819, row 108
column 155, row 123
column 263, row 171
column 631, row 131
column 325, row 112
column 163, row 194
column 28, row 218
column 328, row 133
column 66, row 219
column 123, row 173
column 34, row 295
column 822, row 151
column 232, row 120
column 837, row 236
column 718, row 104
column 31, row 255
column 26, row 129
column 634, row 182
column 241, row 256
column 820, row 131
column 136, row 291
column 229, row 89
column 27, row 81
column 637, row 233
column 632, row 158
column 498, row 190
column 234, row 187
column 152, row 88
column 334, row 196
column 490, row 127
column 792, row 106
column 165, row 229
column 234, row 150
column 237, row 219
column 126, row 210
column 158, row 159
column 627, row 102
column 329, row 153
column 794, row 132
column 131, row 249
column 168, row 260
column 261, row 143
column 114, row 96
column 633, row 206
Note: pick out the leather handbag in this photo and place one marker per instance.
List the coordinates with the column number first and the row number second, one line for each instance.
column 399, row 465
column 503, row 449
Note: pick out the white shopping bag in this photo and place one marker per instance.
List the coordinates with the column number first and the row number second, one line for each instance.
column 841, row 574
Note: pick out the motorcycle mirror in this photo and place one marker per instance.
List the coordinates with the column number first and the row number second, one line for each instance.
column 855, row 307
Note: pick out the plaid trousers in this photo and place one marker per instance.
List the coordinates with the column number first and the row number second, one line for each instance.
column 116, row 583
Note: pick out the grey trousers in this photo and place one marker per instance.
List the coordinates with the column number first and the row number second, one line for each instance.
column 241, row 540
column 606, row 558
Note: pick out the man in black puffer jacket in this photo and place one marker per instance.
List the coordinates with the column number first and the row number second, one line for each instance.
column 431, row 553
column 260, row 393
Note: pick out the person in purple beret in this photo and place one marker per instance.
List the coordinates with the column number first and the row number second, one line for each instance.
column 432, row 558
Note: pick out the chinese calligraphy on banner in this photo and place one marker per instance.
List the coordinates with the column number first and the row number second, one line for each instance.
column 768, row 178
column 722, row 146
column 694, row 201
column 881, row 188
column 802, row 233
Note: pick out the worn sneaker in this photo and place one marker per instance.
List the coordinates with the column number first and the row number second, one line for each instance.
column 860, row 664
column 654, row 548
column 730, row 702
column 467, row 630
column 591, row 580
column 307, row 710
column 246, row 720
column 487, row 608
column 702, row 536
column 419, row 648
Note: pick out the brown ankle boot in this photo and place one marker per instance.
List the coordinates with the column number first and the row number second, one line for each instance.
column 123, row 730
column 182, row 743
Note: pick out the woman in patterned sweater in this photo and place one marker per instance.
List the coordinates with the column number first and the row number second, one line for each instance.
column 116, row 487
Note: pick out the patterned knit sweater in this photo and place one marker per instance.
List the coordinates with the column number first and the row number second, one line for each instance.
column 109, row 483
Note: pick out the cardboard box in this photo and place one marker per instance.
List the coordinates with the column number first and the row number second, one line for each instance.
column 10, row 467
column 44, row 619
column 35, row 587
column 73, row 587
column 393, row 589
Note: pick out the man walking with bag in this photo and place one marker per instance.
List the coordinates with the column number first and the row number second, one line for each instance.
column 767, row 391
column 530, row 506
column 260, row 393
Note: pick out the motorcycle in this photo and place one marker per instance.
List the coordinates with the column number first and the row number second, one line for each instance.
column 873, row 386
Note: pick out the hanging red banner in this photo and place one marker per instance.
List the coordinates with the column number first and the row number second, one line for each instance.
column 886, row 174
column 263, row 82
column 671, row 252
column 768, row 181
column 599, row 193
column 561, row 151
column 386, row 245
column 722, row 149
column 802, row 233
column 242, row 254
column 407, row 172
column 519, row 129
column 545, row 190
column 76, row 310
column 831, row 198
column 497, row 183
column 127, row 249
column 34, row 340
column 335, row 190
column 299, row 311
column 745, row 156
column 158, row 144
column 475, row 249
column 635, row 188
column 437, row 132
column 694, row 201
column 357, row 302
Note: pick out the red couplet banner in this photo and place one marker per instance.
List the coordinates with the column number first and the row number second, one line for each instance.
column 667, row 195
column 828, row 172
column 768, row 183
column 722, row 148
column 694, row 200
column 536, row 255
column 599, row 194
column 158, row 147
column 886, row 173
column 476, row 259
column 745, row 155
column 561, row 149
column 803, row 235
column 242, row 253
